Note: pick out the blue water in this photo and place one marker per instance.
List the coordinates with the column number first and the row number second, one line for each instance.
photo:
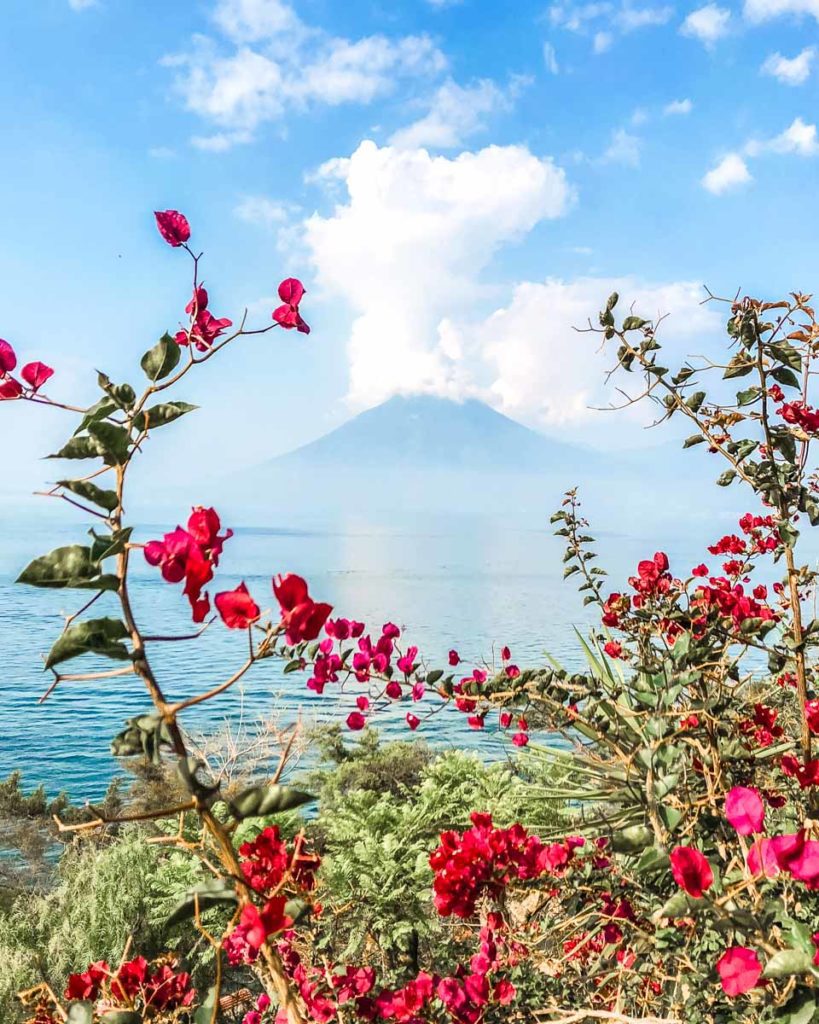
column 467, row 585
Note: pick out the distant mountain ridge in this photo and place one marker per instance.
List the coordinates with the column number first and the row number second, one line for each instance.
column 425, row 432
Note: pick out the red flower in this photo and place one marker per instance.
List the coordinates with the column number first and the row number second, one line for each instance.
column 254, row 928
column 739, row 970
column 454, row 658
column 237, row 608
column 291, row 292
column 88, row 984
column 8, row 358
column 745, row 810
column 700, row 570
column 413, row 721
column 520, row 739
column 173, row 226
column 691, row 871
column 36, row 374
column 10, row 388
column 302, row 618
column 356, row 721
column 613, row 648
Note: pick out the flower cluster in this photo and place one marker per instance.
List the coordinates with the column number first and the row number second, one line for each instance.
column 154, row 988
column 34, row 375
column 191, row 555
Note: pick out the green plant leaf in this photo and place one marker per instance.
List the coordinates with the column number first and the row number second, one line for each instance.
column 259, row 801
column 159, row 415
column 205, row 1014
column 96, row 495
column 788, row 962
column 109, row 544
column 72, row 566
column 112, row 441
column 162, row 359
column 121, row 1017
column 95, row 636
column 209, row 894
column 78, row 448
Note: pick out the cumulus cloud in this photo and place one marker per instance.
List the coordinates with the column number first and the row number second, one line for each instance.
column 541, row 370
column 799, row 139
column 730, row 173
column 604, row 20
column 708, row 24
column 406, row 248
column 265, row 63
column 676, row 107
column 790, row 70
column 763, row 10
column 455, row 112
column 624, row 149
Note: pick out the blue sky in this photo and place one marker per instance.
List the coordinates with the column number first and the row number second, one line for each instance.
column 458, row 185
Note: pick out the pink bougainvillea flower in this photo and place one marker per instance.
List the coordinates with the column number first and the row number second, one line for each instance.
column 8, row 357
column 691, row 871
column 745, row 810
column 454, row 658
column 506, row 654
column 302, row 617
column 291, row 292
column 173, row 226
column 739, row 970
column 10, row 388
column 406, row 662
column 520, row 739
column 505, row 719
column 362, row 703
column 254, row 928
column 413, row 721
column 36, row 374
column 356, row 721
column 237, row 608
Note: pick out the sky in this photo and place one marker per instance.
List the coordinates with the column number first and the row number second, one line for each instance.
column 459, row 185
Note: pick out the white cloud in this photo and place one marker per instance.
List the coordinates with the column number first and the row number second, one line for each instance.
column 444, row 219
column 270, row 64
column 540, row 369
column 624, row 148
column 455, row 113
column 708, row 24
column 790, row 70
column 798, row 138
column 729, row 173
column 550, row 59
column 763, row 10
column 605, row 20
column 676, row 107
column 261, row 210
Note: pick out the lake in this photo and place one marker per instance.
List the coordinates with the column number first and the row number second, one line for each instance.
column 449, row 584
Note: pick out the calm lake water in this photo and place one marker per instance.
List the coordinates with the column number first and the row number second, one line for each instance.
column 464, row 585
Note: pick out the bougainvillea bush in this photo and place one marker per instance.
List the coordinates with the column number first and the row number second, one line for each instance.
column 680, row 881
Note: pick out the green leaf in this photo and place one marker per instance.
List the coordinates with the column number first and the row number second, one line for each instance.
column 259, row 801
column 162, row 359
column 72, row 566
column 800, row 1008
column 788, row 533
column 92, row 493
column 78, row 448
column 785, row 376
column 689, row 442
column 693, row 402
column 159, row 415
column 738, row 367
column 787, row 962
column 726, row 478
column 205, row 792
column 632, row 840
column 121, row 1017
column 96, row 636
column 209, row 894
column 748, row 396
column 787, row 354
column 98, row 411
column 205, row 1014
column 612, row 301
column 633, row 323
column 433, row 676
column 112, row 440
column 293, row 666
column 109, row 544
column 80, row 1013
